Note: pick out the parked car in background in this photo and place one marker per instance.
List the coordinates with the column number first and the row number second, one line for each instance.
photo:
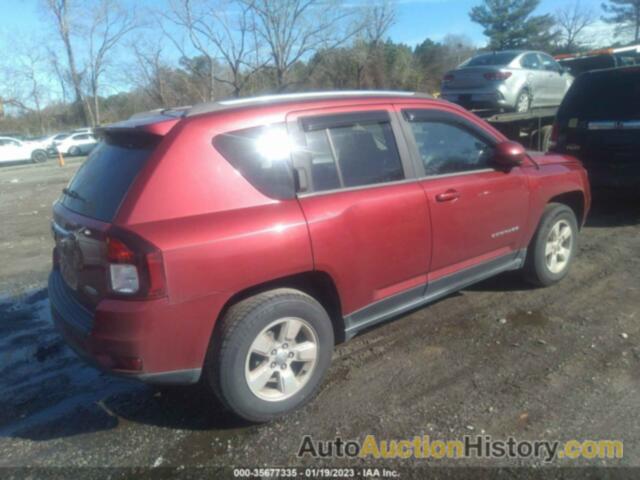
column 599, row 122
column 14, row 150
column 54, row 140
column 76, row 144
column 236, row 241
column 512, row 80
column 83, row 130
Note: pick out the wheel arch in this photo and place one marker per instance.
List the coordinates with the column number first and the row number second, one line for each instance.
column 574, row 200
column 316, row 283
column 37, row 151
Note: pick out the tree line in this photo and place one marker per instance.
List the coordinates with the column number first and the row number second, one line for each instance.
column 102, row 61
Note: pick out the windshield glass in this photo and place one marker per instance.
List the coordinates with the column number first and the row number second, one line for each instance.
column 496, row 58
column 610, row 95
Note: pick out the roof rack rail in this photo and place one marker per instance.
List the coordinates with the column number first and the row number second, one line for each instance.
column 209, row 107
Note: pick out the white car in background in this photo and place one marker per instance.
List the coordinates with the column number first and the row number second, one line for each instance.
column 14, row 150
column 77, row 144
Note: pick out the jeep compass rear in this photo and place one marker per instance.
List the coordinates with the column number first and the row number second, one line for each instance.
column 234, row 243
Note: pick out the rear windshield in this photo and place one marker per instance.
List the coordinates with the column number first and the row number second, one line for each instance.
column 99, row 186
column 498, row 58
column 610, row 95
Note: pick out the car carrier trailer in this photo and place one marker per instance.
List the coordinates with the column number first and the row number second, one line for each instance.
column 532, row 129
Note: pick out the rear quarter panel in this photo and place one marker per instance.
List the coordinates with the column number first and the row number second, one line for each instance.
column 217, row 233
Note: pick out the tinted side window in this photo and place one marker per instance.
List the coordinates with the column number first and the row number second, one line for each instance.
column 549, row 63
column 530, row 61
column 446, row 148
column 80, row 137
column 353, row 155
column 262, row 155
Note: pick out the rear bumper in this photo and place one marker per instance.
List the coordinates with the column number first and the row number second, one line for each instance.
column 605, row 178
column 622, row 178
column 479, row 98
column 146, row 340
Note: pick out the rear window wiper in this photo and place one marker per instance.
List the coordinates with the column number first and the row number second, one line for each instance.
column 73, row 194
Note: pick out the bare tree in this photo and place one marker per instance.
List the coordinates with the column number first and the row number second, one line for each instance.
column 110, row 23
column 24, row 82
column 379, row 18
column 625, row 14
column 296, row 29
column 62, row 20
column 150, row 73
column 571, row 21
column 59, row 71
column 220, row 31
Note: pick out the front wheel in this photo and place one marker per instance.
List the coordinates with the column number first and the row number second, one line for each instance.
column 553, row 247
column 270, row 354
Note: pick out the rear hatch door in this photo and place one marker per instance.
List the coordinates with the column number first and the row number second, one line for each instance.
column 84, row 213
column 600, row 118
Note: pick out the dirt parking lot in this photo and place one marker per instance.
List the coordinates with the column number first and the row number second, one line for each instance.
column 499, row 359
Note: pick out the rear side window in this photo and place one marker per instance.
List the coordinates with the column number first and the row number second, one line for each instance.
column 262, row 155
column 348, row 151
column 530, row 61
column 99, row 186
column 610, row 95
column 548, row 63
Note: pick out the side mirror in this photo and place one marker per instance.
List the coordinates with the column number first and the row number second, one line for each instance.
column 509, row 154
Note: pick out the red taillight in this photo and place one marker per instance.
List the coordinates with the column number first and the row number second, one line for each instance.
column 135, row 267
column 497, row 75
column 448, row 77
column 118, row 252
column 155, row 270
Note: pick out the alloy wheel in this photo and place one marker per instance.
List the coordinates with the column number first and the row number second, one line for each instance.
column 281, row 359
column 558, row 246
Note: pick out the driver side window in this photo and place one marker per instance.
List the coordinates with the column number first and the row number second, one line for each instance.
column 446, row 148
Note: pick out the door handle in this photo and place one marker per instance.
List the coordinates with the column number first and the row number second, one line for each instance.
column 448, row 196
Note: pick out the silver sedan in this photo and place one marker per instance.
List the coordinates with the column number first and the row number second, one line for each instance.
column 515, row 80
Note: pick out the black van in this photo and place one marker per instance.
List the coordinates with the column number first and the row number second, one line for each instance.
column 599, row 122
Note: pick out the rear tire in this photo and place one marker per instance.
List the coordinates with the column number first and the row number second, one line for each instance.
column 74, row 151
column 270, row 354
column 523, row 102
column 553, row 247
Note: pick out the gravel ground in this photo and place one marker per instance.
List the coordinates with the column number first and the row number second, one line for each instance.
column 499, row 359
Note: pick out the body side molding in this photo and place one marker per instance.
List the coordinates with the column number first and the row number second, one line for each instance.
column 417, row 296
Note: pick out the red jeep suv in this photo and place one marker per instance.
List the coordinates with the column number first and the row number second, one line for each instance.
column 236, row 242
